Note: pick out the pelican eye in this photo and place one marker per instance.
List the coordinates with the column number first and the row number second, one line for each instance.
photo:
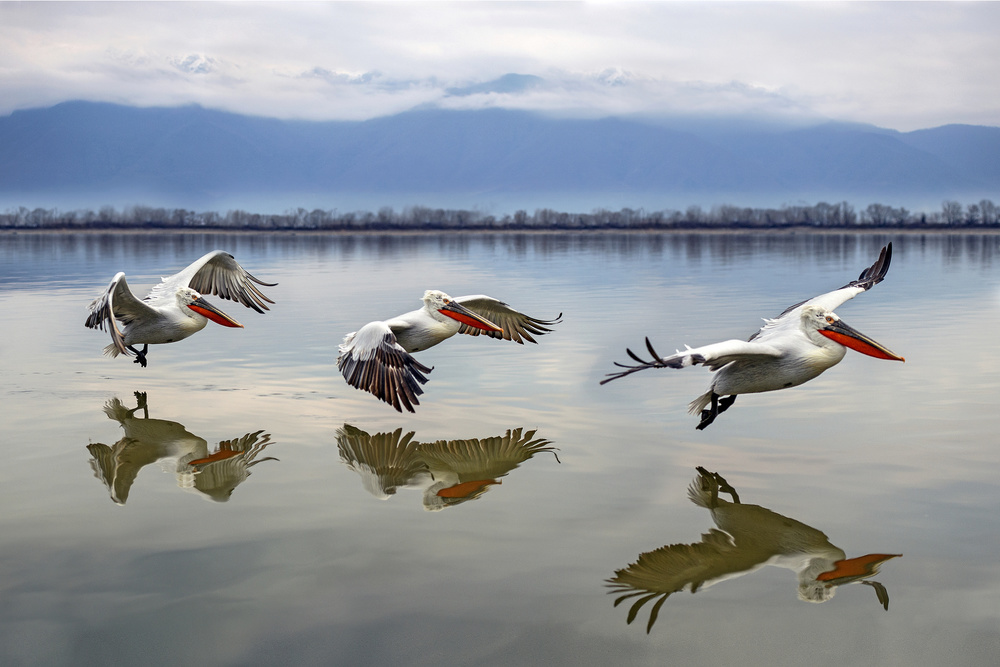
column 829, row 319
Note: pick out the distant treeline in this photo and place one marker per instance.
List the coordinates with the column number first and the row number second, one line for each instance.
column 837, row 216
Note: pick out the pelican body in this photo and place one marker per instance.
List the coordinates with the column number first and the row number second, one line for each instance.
column 175, row 308
column 377, row 358
column 793, row 348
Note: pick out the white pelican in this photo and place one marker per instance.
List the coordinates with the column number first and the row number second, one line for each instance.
column 793, row 348
column 377, row 357
column 174, row 309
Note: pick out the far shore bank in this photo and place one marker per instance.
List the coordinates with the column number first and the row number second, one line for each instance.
column 937, row 230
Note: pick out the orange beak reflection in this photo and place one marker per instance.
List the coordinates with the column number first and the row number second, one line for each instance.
column 220, row 455
column 466, row 489
column 852, row 569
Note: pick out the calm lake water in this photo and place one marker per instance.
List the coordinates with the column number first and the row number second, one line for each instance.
column 326, row 538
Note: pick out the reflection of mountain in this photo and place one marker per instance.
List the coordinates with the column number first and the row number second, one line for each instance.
column 215, row 474
column 748, row 537
column 450, row 472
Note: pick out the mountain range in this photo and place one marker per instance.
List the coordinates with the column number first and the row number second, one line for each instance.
column 198, row 155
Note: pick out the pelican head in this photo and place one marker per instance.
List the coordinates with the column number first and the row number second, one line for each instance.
column 819, row 581
column 818, row 320
column 439, row 303
column 187, row 297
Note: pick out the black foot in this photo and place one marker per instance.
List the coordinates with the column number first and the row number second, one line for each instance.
column 708, row 416
column 140, row 357
column 719, row 405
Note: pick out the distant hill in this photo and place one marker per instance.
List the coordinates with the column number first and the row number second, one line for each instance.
column 192, row 152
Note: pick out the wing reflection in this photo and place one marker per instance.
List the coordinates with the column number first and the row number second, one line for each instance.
column 212, row 474
column 748, row 537
column 450, row 472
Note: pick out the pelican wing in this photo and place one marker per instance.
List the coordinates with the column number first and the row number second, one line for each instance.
column 482, row 458
column 516, row 326
column 870, row 277
column 714, row 356
column 371, row 360
column 117, row 303
column 220, row 274
column 218, row 474
column 385, row 461
column 672, row 568
column 117, row 466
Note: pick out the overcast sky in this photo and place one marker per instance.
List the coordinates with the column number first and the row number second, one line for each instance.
column 898, row 65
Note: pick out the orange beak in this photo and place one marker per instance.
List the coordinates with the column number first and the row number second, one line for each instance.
column 840, row 332
column 457, row 311
column 203, row 307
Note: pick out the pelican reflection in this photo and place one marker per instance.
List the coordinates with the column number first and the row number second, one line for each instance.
column 449, row 472
column 748, row 537
column 213, row 474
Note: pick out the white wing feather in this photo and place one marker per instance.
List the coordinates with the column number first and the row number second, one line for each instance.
column 870, row 277
column 117, row 303
column 371, row 360
column 714, row 356
column 219, row 274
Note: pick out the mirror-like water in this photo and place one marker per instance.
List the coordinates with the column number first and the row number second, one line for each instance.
column 236, row 502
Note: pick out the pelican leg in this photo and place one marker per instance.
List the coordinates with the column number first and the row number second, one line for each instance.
column 708, row 416
column 140, row 357
column 719, row 405
column 140, row 403
column 706, row 479
column 724, row 486
column 720, row 485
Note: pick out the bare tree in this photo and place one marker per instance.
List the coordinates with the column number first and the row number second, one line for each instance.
column 951, row 211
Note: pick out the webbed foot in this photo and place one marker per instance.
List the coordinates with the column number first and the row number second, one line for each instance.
column 140, row 357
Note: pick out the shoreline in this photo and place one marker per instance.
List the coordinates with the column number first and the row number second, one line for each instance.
column 964, row 230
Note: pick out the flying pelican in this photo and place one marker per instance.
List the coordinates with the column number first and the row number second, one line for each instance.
column 793, row 348
column 377, row 357
column 174, row 309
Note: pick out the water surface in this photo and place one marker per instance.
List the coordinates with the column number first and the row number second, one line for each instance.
column 237, row 503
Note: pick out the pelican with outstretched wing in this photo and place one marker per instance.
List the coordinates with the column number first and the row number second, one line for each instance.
column 378, row 357
column 791, row 349
column 175, row 308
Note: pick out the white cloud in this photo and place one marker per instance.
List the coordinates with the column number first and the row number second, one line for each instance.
column 901, row 65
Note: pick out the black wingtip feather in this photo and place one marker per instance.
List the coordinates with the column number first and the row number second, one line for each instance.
column 877, row 272
column 633, row 355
